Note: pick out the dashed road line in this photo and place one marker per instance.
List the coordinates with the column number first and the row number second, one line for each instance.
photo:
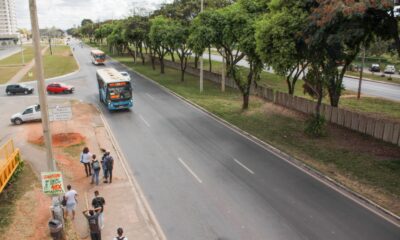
column 243, row 166
column 144, row 120
column 152, row 98
column 190, row 170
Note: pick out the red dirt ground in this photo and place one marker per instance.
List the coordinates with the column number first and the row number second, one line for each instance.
column 59, row 140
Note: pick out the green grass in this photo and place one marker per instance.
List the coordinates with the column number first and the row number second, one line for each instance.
column 60, row 63
column 17, row 59
column 372, row 162
column 376, row 76
column 18, row 186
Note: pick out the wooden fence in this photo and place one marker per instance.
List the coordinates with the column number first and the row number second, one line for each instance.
column 386, row 130
column 9, row 161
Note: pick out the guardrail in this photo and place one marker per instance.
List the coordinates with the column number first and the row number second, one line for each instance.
column 9, row 161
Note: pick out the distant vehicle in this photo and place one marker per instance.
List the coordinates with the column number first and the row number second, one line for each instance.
column 59, row 88
column 375, row 68
column 115, row 91
column 98, row 57
column 390, row 69
column 31, row 113
column 126, row 75
column 18, row 88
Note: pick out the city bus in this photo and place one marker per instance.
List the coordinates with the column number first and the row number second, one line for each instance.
column 98, row 57
column 115, row 90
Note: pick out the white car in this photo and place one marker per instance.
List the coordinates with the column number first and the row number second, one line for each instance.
column 390, row 69
column 126, row 75
column 31, row 113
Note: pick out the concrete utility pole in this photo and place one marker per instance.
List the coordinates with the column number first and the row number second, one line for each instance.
column 201, row 56
column 361, row 75
column 41, row 87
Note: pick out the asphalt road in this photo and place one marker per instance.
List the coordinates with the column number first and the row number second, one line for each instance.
column 376, row 89
column 205, row 181
column 8, row 51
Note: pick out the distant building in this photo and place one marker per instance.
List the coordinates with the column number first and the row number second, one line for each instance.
column 8, row 23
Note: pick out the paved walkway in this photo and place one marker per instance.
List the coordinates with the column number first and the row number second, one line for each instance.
column 21, row 73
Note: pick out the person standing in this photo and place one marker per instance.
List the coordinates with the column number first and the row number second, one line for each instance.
column 120, row 233
column 99, row 202
column 103, row 163
column 95, row 164
column 71, row 197
column 85, row 159
column 109, row 162
column 93, row 218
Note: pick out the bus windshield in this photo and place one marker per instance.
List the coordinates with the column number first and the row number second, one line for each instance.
column 99, row 56
column 120, row 92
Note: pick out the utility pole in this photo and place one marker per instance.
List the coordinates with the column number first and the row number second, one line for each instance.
column 41, row 87
column 361, row 75
column 201, row 56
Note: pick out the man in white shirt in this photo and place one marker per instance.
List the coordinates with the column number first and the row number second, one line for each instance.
column 120, row 236
column 70, row 196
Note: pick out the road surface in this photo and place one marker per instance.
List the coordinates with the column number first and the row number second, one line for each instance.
column 8, row 51
column 204, row 181
column 376, row 89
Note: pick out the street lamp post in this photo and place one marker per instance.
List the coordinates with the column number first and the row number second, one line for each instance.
column 361, row 75
column 201, row 56
column 22, row 52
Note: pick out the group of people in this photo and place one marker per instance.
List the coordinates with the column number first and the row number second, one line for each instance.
column 94, row 216
column 93, row 166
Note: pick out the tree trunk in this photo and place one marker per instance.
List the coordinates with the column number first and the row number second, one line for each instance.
column 153, row 65
column 334, row 97
column 132, row 54
column 209, row 59
column 141, row 54
column 290, row 86
column 161, row 58
column 172, row 56
column 245, row 104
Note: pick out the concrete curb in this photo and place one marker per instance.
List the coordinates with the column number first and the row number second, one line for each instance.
column 356, row 197
column 144, row 206
column 371, row 80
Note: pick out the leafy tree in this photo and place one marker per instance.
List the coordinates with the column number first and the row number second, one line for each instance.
column 86, row 21
column 159, row 31
column 136, row 29
column 116, row 39
column 178, row 39
column 280, row 41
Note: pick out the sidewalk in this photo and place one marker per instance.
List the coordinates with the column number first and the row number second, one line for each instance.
column 124, row 206
column 21, row 73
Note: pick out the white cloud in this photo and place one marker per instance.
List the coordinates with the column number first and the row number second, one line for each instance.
column 67, row 13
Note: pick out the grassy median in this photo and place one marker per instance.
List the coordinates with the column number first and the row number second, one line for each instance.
column 367, row 165
column 11, row 65
column 60, row 63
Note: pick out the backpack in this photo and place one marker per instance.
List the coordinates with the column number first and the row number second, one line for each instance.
column 109, row 162
column 96, row 165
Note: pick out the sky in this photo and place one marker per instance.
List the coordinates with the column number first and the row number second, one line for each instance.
column 65, row 14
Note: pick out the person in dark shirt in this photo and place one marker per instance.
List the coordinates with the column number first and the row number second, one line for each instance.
column 92, row 216
column 99, row 202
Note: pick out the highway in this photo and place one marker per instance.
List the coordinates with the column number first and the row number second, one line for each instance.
column 205, row 181
column 376, row 89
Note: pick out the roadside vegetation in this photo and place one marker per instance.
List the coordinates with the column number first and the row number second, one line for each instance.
column 59, row 63
column 11, row 65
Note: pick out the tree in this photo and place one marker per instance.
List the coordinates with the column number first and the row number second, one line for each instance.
column 86, row 21
column 178, row 38
column 280, row 41
column 158, row 35
column 136, row 29
column 116, row 39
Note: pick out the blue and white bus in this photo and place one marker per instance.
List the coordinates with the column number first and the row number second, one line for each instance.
column 115, row 91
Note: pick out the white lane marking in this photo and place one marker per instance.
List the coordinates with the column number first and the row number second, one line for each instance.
column 152, row 98
column 190, row 170
column 144, row 120
column 243, row 166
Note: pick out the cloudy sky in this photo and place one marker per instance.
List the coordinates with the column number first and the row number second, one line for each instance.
column 65, row 13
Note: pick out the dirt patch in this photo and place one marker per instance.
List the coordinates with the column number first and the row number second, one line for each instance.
column 270, row 108
column 60, row 139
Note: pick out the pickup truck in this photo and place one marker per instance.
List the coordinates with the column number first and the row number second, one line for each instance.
column 31, row 113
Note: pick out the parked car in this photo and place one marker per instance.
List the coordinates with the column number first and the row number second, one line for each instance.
column 375, row 68
column 18, row 88
column 390, row 69
column 31, row 113
column 59, row 88
column 126, row 75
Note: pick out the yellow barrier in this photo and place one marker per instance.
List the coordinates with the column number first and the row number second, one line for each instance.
column 9, row 161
